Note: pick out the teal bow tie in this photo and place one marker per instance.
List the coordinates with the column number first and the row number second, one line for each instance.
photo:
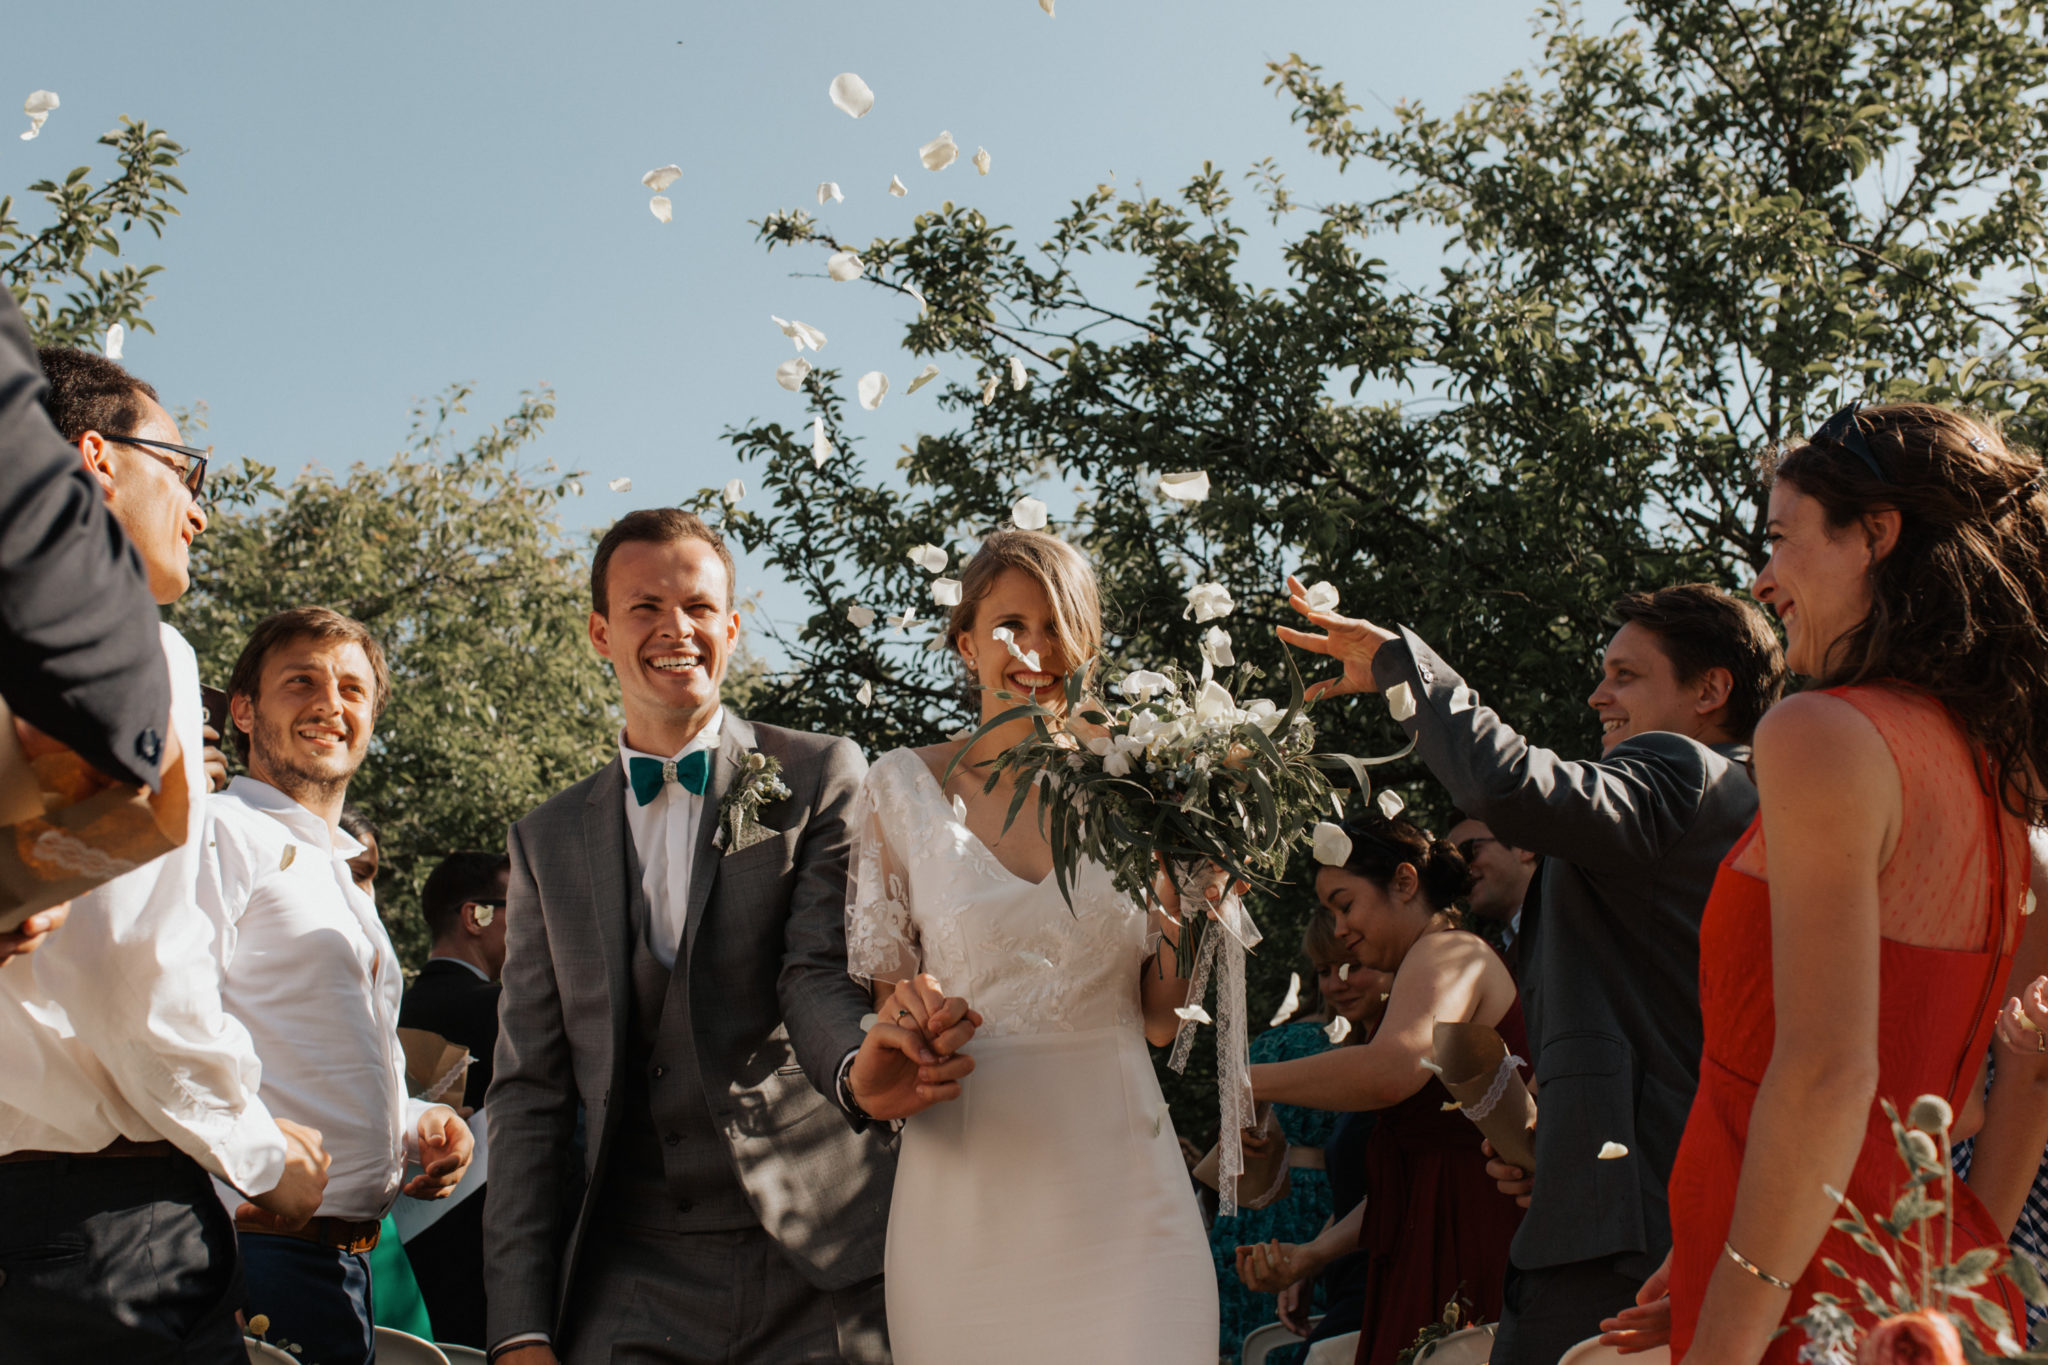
column 693, row 770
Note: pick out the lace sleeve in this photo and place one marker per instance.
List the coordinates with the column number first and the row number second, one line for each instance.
column 881, row 938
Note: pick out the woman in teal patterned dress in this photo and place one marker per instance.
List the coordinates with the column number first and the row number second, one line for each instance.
column 1305, row 1210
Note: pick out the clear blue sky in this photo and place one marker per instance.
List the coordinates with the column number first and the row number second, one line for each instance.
column 389, row 197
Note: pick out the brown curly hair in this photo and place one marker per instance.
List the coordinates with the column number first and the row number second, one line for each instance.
column 1959, row 608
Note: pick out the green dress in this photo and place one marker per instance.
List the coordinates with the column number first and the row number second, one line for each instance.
column 1297, row 1218
column 395, row 1300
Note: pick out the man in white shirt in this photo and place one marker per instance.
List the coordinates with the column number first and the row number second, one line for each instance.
column 311, row 972
column 126, row 1083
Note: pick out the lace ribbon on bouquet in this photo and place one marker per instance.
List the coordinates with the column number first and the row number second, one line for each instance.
column 1222, row 954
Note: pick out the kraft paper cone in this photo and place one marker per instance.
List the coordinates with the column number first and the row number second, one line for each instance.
column 1261, row 1174
column 435, row 1068
column 1469, row 1057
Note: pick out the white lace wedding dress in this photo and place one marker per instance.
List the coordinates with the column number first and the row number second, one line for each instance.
column 1044, row 1217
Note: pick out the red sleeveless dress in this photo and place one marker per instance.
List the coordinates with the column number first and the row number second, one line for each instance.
column 1962, row 857
column 1436, row 1225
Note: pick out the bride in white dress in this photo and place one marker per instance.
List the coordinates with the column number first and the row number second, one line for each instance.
column 1042, row 1214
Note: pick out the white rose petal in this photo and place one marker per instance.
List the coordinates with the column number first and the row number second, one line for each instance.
column 1028, row 515
column 988, row 391
column 1046, row 5
column 930, row 558
column 661, row 208
column 1117, row 763
column 734, row 491
column 1185, row 487
column 828, row 193
column 844, row 265
column 661, row 177
column 1430, row 1064
column 1322, row 597
column 1020, row 378
column 1332, row 846
column 865, row 694
column 981, row 160
column 873, row 386
column 116, row 336
column 1195, row 1014
column 851, row 94
column 1344, row 971
column 905, row 621
column 1216, row 648
column 802, row 333
column 1006, row 637
column 1338, row 1029
column 1390, row 803
column 960, row 808
column 924, row 377
column 620, row 485
column 1611, row 1151
column 791, row 373
column 1144, row 685
column 897, row 187
column 946, row 592
column 37, row 106
column 862, row 617
column 1207, row 601
column 1290, row 1002
column 1400, row 701
column 939, row 153
column 821, row 444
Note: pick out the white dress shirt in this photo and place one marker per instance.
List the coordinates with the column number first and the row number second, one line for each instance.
column 115, row 1027
column 311, row 971
column 665, row 836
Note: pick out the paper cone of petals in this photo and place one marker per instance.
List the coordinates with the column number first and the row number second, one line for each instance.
column 1474, row 1065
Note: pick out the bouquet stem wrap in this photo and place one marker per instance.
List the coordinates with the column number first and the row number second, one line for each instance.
column 1225, row 940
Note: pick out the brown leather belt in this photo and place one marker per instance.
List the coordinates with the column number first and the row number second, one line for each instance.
column 355, row 1236
column 118, row 1147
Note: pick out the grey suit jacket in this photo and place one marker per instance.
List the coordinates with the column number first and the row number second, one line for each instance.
column 1610, row 976
column 774, row 1014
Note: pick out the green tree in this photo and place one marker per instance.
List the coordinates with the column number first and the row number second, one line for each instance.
column 1671, row 245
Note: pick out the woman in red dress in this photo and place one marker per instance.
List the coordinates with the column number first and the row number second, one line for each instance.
column 1435, row 1227
column 1857, row 942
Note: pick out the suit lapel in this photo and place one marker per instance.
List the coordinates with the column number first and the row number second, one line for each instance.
column 606, row 844
column 735, row 742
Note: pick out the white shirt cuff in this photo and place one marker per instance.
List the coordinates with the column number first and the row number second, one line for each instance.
column 523, row 1339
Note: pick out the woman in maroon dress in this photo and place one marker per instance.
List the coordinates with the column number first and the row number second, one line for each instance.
column 1436, row 1228
column 1864, row 958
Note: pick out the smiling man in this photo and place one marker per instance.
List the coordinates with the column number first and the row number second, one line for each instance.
column 1609, row 976
column 311, row 972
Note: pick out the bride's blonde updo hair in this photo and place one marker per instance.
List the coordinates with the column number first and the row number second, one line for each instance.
column 1057, row 567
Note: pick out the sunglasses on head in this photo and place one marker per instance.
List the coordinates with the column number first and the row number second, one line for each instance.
column 1844, row 430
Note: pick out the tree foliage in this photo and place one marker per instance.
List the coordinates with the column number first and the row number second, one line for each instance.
column 1667, row 247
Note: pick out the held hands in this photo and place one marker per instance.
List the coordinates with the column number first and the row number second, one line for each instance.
column 1648, row 1325
column 2023, row 1023
column 1269, row 1267
column 446, row 1146
column 911, row 1058
column 1513, row 1181
column 1350, row 641
column 297, row 1194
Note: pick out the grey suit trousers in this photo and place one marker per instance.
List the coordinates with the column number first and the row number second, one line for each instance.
column 653, row 1297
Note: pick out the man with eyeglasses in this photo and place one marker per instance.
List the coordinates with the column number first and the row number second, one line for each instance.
column 1502, row 877
column 456, row 996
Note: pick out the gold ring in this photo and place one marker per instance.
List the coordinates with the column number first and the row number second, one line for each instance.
column 902, row 1014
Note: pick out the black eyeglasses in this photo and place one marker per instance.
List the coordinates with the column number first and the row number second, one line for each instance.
column 1845, row 429
column 192, row 473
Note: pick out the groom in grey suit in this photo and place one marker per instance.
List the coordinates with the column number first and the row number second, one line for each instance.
column 669, row 1181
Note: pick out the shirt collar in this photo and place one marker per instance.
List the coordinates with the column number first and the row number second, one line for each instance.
column 706, row 738
column 303, row 824
column 481, row 975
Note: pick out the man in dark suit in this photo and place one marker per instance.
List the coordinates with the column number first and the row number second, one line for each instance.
column 1501, row 895
column 1631, row 842
column 456, row 996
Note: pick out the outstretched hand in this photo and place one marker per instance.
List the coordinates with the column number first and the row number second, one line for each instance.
column 1647, row 1325
column 1350, row 641
column 911, row 1058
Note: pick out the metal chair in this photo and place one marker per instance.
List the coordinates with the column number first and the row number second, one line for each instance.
column 1473, row 1346
column 403, row 1348
column 1591, row 1352
column 1261, row 1342
column 1334, row 1350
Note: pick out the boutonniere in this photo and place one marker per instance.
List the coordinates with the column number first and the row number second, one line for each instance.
column 759, row 782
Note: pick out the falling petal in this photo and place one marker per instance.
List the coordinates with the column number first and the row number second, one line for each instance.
column 291, row 852
column 905, row 621
column 1332, row 846
column 988, row 391
column 661, row 208
column 1390, row 804
column 1020, row 378
column 981, row 160
column 873, row 385
column 821, row 444
column 734, row 491
column 930, row 558
column 38, row 106
column 1429, row 1064
column 1207, row 601
column 116, row 336
column 1322, row 597
column 802, row 333
column 1185, row 487
column 843, row 266
column 851, row 94
column 1290, row 1002
column 862, row 617
column 661, row 177
column 1337, row 1030
column 917, row 294
column 1194, row 1014
column 620, row 485
column 1447, row 1106
column 897, row 187
column 960, row 809
column 946, row 592
column 1400, row 701
column 1028, row 515
column 791, row 373
column 828, row 193
column 924, row 377
column 939, row 153
column 866, row 694
column 1612, row 1151
column 1046, row 5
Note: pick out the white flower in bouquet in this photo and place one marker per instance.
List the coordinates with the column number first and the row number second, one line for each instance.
column 1207, row 601
column 1144, row 685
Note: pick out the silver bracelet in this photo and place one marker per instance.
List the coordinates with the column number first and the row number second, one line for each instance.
column 1753, row 1268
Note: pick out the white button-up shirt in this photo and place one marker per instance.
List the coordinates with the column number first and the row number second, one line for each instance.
column 311, row 972
column 115, row 1027
column 665, row 836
